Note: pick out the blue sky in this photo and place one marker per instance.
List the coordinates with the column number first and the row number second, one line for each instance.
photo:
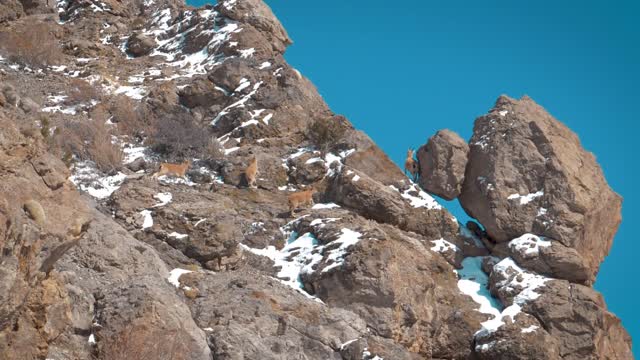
column 402, row 70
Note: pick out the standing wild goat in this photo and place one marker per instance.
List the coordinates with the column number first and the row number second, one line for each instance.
column 173, row 169
column 251, row 172
column 301, row 198
column 410, row 165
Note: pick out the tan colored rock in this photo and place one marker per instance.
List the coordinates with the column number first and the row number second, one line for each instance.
column 258, row 14
column 36, row 212
column 528, row 173
column 401, row 205
column 577, row 316
column 442, row 162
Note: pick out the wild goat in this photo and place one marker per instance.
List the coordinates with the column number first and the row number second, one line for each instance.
column 301, row 198
column 251, row 172
column 410, row 165
column 173, row 169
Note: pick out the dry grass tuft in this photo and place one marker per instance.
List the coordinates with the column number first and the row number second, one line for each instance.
column 34, row 45
column 89, row 140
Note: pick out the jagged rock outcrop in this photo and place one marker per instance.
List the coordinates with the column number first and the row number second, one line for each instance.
column 197, row 264
column 538, row 195
column 528, row 173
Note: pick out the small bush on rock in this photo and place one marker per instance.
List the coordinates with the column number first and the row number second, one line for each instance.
column 130, row 118
column 177, row 136
column 81, row 91
column 326, row 133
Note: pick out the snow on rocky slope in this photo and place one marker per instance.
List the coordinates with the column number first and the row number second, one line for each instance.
column 204, row 266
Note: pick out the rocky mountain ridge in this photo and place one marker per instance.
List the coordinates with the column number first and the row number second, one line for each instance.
column 102, row 260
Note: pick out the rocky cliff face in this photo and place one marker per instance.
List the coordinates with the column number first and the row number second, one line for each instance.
column 103, row 260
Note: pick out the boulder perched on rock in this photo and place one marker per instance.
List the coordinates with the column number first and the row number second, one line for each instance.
column 528, row 173
column 140, row 44
column 442, row 163
column 196, row 264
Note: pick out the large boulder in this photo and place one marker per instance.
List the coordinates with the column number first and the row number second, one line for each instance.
column 140, row 45
column 528, row 173
column 577, row 316
column 200, row 92
column 442, row 163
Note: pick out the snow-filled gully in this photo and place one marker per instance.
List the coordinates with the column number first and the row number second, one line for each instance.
column 303, row 254
column 474, row 282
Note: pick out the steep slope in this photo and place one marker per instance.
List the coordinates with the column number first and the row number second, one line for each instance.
column 103, row 260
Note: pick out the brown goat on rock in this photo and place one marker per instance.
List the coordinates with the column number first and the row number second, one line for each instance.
column 410, row 165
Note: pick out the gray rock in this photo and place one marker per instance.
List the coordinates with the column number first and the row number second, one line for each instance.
column 138, row 164
column 29, row 106
column 140, row 45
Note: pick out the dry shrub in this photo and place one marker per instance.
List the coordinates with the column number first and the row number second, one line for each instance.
column 81, row 91
column 325, row 133
column 215, row 150
column 130, row 117
column 34, row 45
column 45, row 126
column 89, row 140
column 147, row 342
column 176, row 136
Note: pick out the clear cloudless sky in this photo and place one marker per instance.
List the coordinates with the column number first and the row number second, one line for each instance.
column 401, row 70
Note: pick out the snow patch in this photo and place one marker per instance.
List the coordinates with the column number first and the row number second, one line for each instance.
column 164, row 199
column 422, row 199
column 147, row 219
column 178, row 235
column 90, row 180
column 131, row 154
column 174, row 276
column 529, row 245
column 475, row 283
column 442, row 246
column 529, row 329
column 525, row 199
column 325, row 206
column 302, row 255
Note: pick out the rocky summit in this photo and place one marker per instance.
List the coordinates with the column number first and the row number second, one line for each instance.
column 173, row 189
